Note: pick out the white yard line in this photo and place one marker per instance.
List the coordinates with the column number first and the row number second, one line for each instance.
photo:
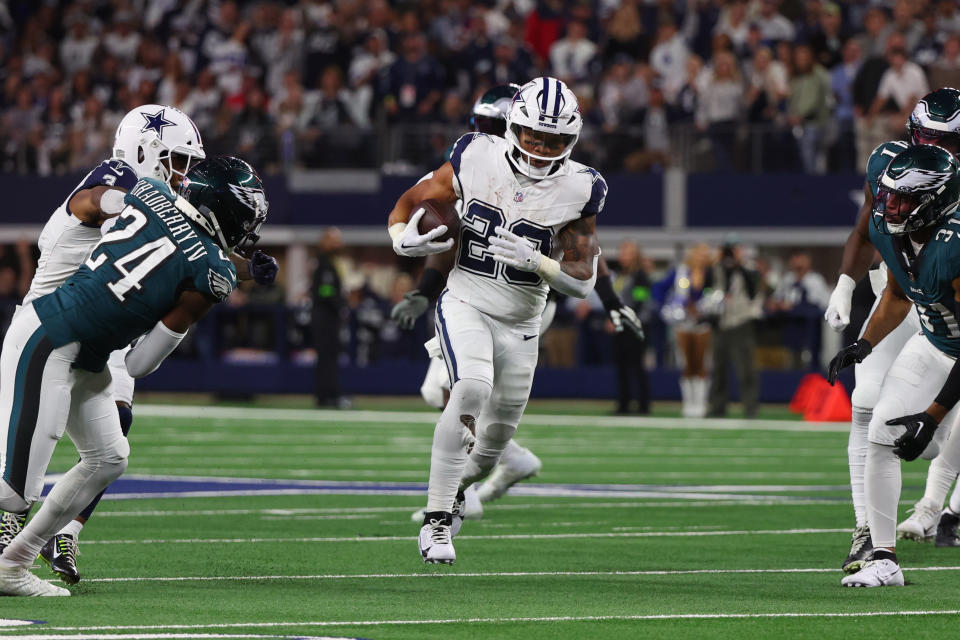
column 513, row 536
column 377, row 623
column 488, row 574
column 424, row 417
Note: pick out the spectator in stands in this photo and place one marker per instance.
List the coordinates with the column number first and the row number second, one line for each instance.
column 205, row 100
column 769, row 87
column 905, row 22
column 733, row 340
column 668, row 58
column 877, row 30
column 543, row 27
column 571, row 57
column 655, row 121
column 625, row 33
column 412, row 83
column 633, row 284
column 871, row 131
column 122, row 41
column 828, row 40
column 622, row 93
column 77, row 49
column 735, row 24
column 842, row 79
column 328, row 306
column 930, row 46
column 364, row 69
column 945, row 71
column 687, row 101
column 774, row 27
column 800, row 299
column 721, row 107
column 901, row 85
column 948, row 16
column 808, row 108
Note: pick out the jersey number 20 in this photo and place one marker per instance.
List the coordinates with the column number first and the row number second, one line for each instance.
column 145, row 258
column 476, row 228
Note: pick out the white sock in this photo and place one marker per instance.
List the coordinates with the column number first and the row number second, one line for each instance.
column 72, row 528
column 856, row 459
column 687, row 397
column 940, row 478
column 882, row 488
column 452, row 436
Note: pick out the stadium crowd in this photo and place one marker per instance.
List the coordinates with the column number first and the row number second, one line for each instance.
column 786, row 84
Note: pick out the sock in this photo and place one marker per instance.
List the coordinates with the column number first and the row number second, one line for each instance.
column 451, row 438
column 940, row 478
column 955, row 500
column 882, row 488
column 72, row 528
column 856, row 459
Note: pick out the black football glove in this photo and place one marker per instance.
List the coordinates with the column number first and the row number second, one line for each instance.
column 406, row 312
column 263, row 267
column 854, row 353
column 920, row 430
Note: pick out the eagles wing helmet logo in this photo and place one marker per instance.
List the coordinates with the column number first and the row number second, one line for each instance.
column 253, row 198
column 156, row 122
column 220, row 286
column 921, row 179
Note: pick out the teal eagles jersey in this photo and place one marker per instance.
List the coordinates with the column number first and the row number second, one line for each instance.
column 879, row 160
column 134, row 277
column 927, row 279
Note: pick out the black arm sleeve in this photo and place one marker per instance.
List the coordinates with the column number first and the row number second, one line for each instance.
column 431, row 283
column 604, row 289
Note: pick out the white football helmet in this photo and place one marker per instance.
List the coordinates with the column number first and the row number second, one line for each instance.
column 149, row 137
column 546, row 114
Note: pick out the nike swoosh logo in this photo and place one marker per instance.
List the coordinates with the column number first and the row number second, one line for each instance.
column 525, row 338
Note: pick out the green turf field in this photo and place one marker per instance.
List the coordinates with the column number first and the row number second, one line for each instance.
column 707, row 529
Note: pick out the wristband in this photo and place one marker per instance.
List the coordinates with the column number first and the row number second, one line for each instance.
column 846, row 284
column 604, row 289
column 396, row 229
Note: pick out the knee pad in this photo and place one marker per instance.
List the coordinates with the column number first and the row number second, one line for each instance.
column 126, row 417
column 467, row 396
column 109, row 464
column 865, row 395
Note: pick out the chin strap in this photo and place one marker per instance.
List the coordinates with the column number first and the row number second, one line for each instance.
column 210, row 225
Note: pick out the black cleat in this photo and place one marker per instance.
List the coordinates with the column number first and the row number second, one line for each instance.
column 860, row 547
column 10, row 525
column 60, row 553
column 947, row 530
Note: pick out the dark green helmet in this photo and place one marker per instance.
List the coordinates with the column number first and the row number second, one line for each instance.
column 228, row 201
column 490, row 109
column 936, row 120
column 918, row 189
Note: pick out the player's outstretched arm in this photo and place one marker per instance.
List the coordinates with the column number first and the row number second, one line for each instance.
column 416, row 302
column 153, row 348
column 893, row 308
column 622, row 316
column 575, row 273
column 96, row 204
column 858, row 254
column 403, row 220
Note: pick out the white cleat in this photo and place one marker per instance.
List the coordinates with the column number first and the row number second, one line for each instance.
column 472, row 509
column 922, row 524
column 876, row 573
column 521, row 465
column 18, row 581
column 436, row 545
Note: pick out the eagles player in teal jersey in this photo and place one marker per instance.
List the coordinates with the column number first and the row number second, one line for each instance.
column 161, row 267
column 915, row 224
column 934, row 120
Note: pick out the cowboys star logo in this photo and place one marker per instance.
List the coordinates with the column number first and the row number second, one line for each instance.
column 156, row 122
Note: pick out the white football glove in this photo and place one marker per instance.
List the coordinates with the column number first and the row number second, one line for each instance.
column 837, row 314
column 408, row 241
column 626, row 318
column 514, row 251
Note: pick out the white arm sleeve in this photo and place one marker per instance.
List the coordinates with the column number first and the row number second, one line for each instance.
column 152, row 349
column 566, row 284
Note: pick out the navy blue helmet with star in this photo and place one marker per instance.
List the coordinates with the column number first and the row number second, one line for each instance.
column 155, row 122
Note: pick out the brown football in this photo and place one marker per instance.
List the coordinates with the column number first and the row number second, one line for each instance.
column 436, row 213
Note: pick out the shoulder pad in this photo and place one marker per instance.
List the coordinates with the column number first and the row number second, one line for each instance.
column 598, row 192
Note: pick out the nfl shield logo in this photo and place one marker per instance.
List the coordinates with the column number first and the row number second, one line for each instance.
column 518, row 196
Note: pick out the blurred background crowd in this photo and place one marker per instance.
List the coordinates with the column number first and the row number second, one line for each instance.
column 756, row 86
column 707, row 84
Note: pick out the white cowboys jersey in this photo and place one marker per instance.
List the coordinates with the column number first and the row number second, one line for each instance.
column 66, row 242
column 494, row 195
